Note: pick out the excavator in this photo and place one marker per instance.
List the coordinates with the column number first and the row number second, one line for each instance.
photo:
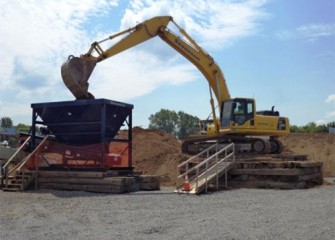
column 237, row 120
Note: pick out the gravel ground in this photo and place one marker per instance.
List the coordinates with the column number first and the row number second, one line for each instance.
column 233, row 214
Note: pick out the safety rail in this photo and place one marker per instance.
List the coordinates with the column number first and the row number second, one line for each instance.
column 5, row 167
column 19, row 167
column 200, row 172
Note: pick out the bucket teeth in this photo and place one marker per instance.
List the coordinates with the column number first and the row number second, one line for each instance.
column 75, row 73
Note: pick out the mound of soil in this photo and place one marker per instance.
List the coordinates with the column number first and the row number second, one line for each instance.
column 158, row 153
column 319, row 147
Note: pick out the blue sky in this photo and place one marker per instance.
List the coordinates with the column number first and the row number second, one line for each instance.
column 280, row 52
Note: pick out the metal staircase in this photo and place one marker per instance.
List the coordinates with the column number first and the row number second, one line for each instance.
column 205, row 168
column 15, row 177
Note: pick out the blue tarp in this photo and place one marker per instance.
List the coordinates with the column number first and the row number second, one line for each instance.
column 7, row 131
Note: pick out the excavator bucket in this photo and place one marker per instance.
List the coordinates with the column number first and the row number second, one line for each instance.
column 75, row 73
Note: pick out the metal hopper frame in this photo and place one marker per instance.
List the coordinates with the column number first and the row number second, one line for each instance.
column 83, row 125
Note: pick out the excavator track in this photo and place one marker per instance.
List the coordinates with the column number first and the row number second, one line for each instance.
column 243, row 144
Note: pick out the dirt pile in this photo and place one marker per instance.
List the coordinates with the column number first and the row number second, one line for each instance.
column 156, row 153
column 320, row 147
column 159, row 153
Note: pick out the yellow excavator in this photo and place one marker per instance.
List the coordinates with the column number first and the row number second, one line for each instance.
column 238, row 121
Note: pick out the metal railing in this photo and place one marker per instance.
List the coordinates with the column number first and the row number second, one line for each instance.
column 200, row 171
column 5, row 166
column 19, row 168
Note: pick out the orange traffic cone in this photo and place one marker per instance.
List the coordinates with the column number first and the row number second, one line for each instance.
column 187, row 186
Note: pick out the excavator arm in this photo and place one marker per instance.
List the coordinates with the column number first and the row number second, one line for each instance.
column 77, row 70
column 233, row 126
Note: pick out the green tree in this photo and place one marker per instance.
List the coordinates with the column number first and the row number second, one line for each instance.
column 321, row 128
column 295, row 129
column 6, row 122
column 331, row 124
column 310, row 128
column 187, row 125
column 164, row 120
column 22, row 128
column 178, row 124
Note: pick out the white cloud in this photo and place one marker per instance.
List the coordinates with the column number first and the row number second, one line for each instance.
column 308, row 32
column 328, row 117
column 37, row 36
column 137, row 79
column 213, row 24
column 321, row 122
column 312, row 32
column 330, row 98
column 18, row 112
column 331, row 114
column 284, row 35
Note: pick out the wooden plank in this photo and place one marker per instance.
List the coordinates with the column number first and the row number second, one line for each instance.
column 90, row 188
column 113, row 181
column 73, row 174
column 317, row 177
column 149, row 186
column 149, row 182
column 291, row 157
column 274, row 171
column 149, row 178
column 267, row 184
column 309, row 164
column 278, row 164
column 129, row 180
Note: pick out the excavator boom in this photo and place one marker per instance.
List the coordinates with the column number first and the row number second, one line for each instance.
column 76, row 71
column 238, row 122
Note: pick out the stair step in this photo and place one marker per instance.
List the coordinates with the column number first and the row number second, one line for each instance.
column 10, row 180
column 9, row 183
column 14, row 185
column 20, row 177
column 17, row 182
column 25, row 174
column 11, row 189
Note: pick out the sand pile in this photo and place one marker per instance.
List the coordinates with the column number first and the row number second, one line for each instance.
column 156, row 153
column 320, row 147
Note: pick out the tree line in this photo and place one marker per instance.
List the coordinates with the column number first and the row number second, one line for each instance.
column 179, row 124
column 6, row 122
column 312, row 127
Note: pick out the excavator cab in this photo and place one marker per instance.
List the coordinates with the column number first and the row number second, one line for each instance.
column 236, row 112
